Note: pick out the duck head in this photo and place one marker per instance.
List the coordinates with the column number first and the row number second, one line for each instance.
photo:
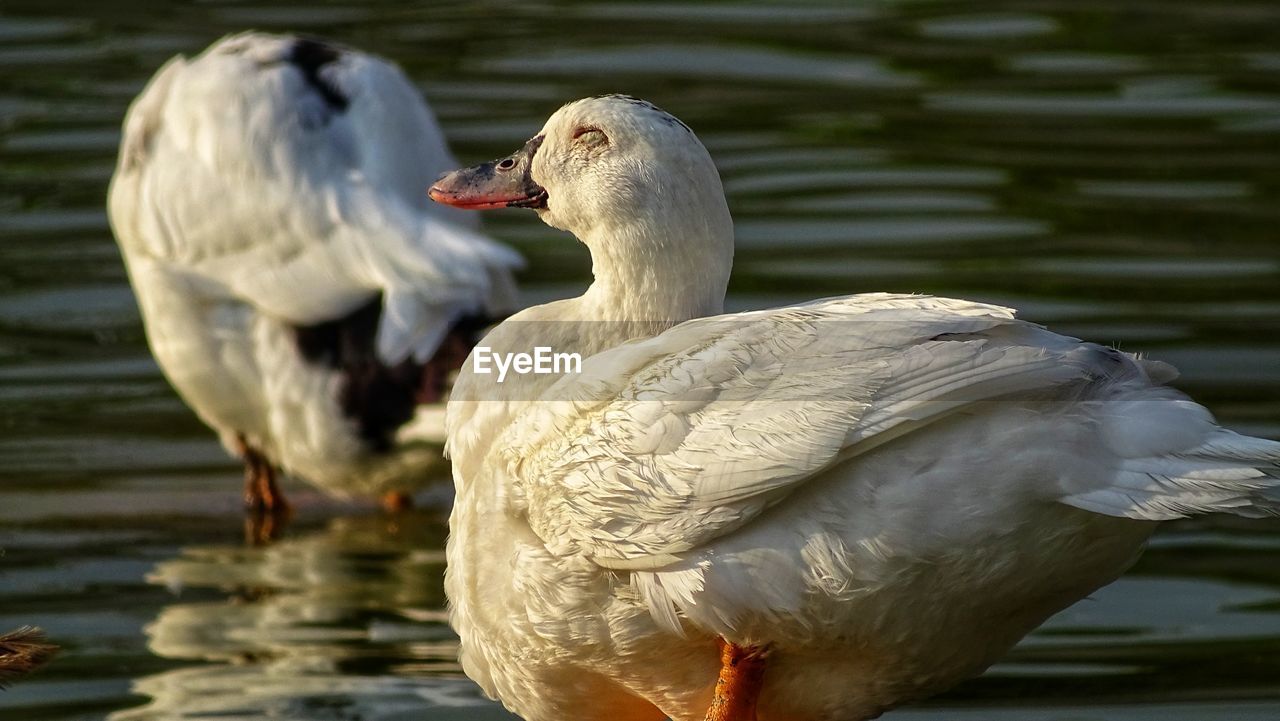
column 631, row 181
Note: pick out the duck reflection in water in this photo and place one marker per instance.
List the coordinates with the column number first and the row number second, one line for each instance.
column 346, row 621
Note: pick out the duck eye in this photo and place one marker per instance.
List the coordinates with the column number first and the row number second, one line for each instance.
column 589, row 135
column 507, row 164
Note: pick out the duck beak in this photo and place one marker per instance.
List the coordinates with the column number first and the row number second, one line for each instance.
column 504, row 183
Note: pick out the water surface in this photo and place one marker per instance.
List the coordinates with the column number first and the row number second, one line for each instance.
column 1111, row 168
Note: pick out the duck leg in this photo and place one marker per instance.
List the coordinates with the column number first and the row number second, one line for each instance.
column 265, row 507
column 260, row 490
column 738, row 687
column 396, row 501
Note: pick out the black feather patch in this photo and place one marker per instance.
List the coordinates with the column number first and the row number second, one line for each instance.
column 378, row 397
column 310, row 56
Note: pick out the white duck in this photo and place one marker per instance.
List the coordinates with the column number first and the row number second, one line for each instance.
column 299, row 290
column 862, row 500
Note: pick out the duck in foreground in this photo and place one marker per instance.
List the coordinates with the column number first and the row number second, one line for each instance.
column 808, row 513
column 298, row 289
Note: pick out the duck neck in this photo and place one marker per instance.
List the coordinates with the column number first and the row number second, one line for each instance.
column 655, row 273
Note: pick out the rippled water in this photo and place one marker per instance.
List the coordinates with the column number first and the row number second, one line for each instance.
column 1112, row 168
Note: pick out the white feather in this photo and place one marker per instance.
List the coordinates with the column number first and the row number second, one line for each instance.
column 246, row 203
column 886, row 491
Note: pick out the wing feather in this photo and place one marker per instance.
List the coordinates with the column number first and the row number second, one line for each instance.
column 675, row 441
column 235, row 171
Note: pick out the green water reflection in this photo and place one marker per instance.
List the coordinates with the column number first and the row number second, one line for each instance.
column 1111, row 168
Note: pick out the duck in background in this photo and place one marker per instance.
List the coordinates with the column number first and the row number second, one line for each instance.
column 809, row 513
column 22, row 651
column 298, row 289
